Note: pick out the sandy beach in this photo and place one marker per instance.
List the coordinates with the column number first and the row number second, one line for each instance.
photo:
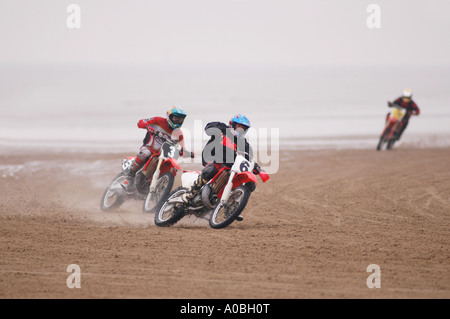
column 311, row 231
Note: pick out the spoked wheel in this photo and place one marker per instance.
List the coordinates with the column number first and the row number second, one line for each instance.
column 114, row 195
column 172, row 210
column 154, row 200
column 224, row 214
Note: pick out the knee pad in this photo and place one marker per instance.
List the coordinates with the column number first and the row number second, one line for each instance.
column 143, row 155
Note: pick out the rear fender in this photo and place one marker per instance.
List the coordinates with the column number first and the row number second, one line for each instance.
column 188, row 178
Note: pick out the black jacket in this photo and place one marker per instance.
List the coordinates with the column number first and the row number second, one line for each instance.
column 223, row 145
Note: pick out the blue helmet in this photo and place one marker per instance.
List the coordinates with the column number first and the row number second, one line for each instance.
column 242, row 120
column 178, row 113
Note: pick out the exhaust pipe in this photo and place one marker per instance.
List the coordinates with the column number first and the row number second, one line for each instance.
column 206, row 191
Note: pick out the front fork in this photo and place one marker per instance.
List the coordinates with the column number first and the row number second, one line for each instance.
column 156, row 175
column 227, row 191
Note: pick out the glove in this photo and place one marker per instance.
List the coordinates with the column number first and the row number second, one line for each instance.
column 151, row 130
column 256, row 169
column 190, row 154
column 390, row 104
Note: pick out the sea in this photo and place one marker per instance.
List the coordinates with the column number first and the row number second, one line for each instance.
column 95, row 108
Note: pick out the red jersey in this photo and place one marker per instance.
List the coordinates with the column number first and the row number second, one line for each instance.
column 159, row 124
column 410, row 106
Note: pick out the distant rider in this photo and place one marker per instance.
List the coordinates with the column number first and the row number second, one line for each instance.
column 221, row 150
column 169, row 127
column 405, row 102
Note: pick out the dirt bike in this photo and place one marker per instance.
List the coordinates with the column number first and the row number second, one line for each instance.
column 224, row 197
column 392, row 128
column 153, row 181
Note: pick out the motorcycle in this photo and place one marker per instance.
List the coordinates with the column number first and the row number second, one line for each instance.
column 224, row 197
column 153, row 181
column 392, row 128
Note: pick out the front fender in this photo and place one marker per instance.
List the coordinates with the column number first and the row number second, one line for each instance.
column 244, row 177
column 239, row 179
column 168, row 164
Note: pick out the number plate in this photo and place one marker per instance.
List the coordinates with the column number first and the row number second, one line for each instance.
column 242, row 165
column 170, row 151
column 126, row 164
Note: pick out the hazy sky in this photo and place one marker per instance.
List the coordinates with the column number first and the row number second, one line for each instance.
column 227, row 32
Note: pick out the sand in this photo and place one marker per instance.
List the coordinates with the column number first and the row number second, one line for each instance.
column 311, row 231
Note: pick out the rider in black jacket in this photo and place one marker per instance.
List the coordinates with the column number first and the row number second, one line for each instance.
column 221, row 149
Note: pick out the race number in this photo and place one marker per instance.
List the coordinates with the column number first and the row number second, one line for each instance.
column 126, row 164
column 170, row 151
column 244, row 167
column 241, row 164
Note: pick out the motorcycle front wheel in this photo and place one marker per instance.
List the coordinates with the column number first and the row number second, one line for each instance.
column 171, row 210
column 224, row 214
column 390, row 144
column 114, row 195
column 154, row 200
column 382, row 139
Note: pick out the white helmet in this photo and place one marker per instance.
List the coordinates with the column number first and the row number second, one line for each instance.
column 407, row 93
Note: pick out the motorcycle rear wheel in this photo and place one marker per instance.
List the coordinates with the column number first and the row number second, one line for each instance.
column 114, row 194
column 170, row 213
column 224, row 214
column 153, row 201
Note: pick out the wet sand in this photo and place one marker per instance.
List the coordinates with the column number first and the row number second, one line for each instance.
column 311, row 231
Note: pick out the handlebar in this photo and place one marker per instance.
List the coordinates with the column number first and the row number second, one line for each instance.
column 256, row 165
column 399, row 107
column 171, row 142
column 163, row 137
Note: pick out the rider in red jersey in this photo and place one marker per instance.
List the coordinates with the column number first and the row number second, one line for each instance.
column 170, row 127
column 405, row 102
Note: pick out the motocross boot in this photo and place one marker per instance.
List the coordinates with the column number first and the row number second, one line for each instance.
column 186, row 197
column 129, row 184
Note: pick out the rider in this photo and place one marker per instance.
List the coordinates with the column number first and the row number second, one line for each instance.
column 405, row 101
column 169, row 127
column 221, row 150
